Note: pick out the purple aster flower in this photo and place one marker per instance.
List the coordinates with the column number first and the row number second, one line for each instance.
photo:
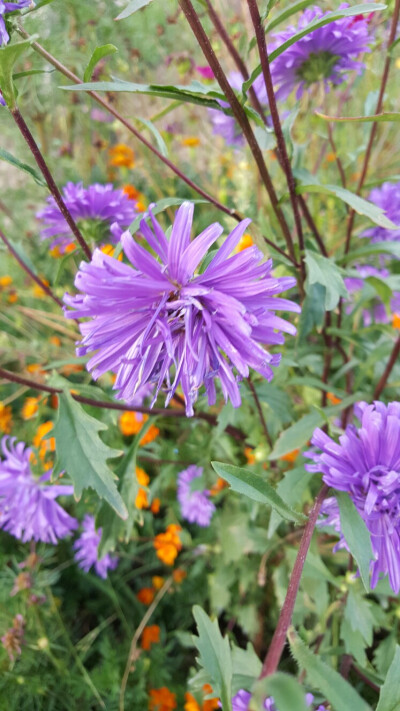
column 378, row 313
column 167, row 324
column 196, row 506
column 9, row 7
column 387, row 196
column 366, row 464
column 241, row 700
column 227, row 126
column 104, row 210
column 325, row 55
column 28, row 509
column 87, row 550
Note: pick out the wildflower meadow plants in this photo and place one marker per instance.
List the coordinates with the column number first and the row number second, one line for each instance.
column 199, row 355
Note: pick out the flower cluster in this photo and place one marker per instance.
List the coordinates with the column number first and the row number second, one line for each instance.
column 387, row 197
column 28, row 509
column 366, row 465
column 240, row 702
column 87, row 550
column 325, row 55
column 152, row 318
column 106, row 211
column 9, row 7
column 196, row 506
column 168, row 544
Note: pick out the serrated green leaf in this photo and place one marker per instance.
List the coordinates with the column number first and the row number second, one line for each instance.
column 132, row 7
column 102, row 51
column 389, row 698
column 215, row 656
column 287, row 693
column 325, row 272
column 83, row 455
column 356, row 534
column 334, row 687
column 12, row 160
column 384, row 117
column 254, row 487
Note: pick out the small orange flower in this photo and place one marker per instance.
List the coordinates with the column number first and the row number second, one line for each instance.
column 162, row 699
column 191, row 141
column 179, row 574
column 146, row 596
column 245, row 242
column 249, row 454
column 151, row 635
column 333, row 399
column 191, row 703
column 42, row 444
column 38, row 291
column 209, row 704
column 13, row 297
column 5, row 281
column 121, row 156
column 5, row 418
column 219, row 485
column 55, row 341
column 35, row 369
column 396, row 321
column 131, row 192
column 70, row 368
column 142, row 477
column 330, row 157
column 157, row 581
column 155, row 506
column 30, row 408
column 290, row 456
column 168, row 544
column 130, row 423
column 140, row 206
column 141, row 500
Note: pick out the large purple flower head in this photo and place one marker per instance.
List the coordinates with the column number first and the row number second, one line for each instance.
column 28, row 509
column 160, row 320
column 195, row 504
column 366, row 464
column 387, row 197
column 9, row 7
column 325, row 55
column 377, row 313
column 100, row 210
column 87, row 550
column 227, row 126
column 240, row 702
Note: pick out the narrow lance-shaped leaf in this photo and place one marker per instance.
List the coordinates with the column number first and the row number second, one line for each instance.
column 356, row 534
column 132, row 7
column 8, row 56
column 215, row 656
column 389, row 698
column 104, row 51
column 384, row 117
column 12, row 160
column 245, row 482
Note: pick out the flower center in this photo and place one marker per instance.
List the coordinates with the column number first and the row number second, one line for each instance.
column 318, row 66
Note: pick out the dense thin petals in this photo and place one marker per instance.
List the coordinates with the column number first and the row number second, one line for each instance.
column 87, row 550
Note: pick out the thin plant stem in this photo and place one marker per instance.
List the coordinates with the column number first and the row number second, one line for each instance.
column 287, row 168
column 260, row 412
column 34, row 148
column 132, row 656
column 337, row 159
column 240, row 116
column 132, row 129
column 378, row 110
column 30, row 273
column 275, row 650
column 392, row 360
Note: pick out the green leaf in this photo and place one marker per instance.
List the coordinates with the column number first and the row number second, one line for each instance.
column 103, row 51
column 386, row 116
column 5, row 155
column 359, row 616
column 132, row 7
column 389, row 698
column 391, row 248
column 156, row 133
column 83, row 455
column 246, row 667
column 287, row 12
column 356, row 534
column 314, row 25
column 287, row 693
column 325, row 272
column 297, row 435
column 291, row 488
column 215, row 656
column 254, row 487
column 312, row 311
column 9, row 54
column 381, row 287
column 338, row 692
column 266, row 138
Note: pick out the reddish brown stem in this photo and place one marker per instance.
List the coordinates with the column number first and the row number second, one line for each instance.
column 260, row 413
column 392, row 360
column 274, row 654
column 19, row 120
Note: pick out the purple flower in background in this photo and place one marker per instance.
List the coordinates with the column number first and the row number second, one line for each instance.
column 196, row 506
column 227, row 126
column 159, row 321
column 325, row 55
column 205, row 71
column 377, row 313
column 28, row 509
column 108, row 211
column 9, row 7
column 240, row 702
column 366, row 464
column 87, row 550
column 387, row 196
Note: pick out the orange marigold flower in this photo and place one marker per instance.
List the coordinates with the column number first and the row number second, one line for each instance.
column 55, row 341
column 142, row 477
column 209, row 704
column 158, row 581
column 71, row 247
column 35, row 369
column 162, row 699
column 38, row 291
column 191, row 703
column 155, row 506
column 130, row 423
column 191, row 141
column 5, row 418
column 121, row 156
column 333, row 399
column 56, row 252
column 42, row 444
column 290, row 456
column 151, row 635
column 30, row 408
column 131, row 192
column 5, row 281
column 396, row 321
column 13, row 297
column 179, row 574
column 245, row 242
column 168, row 544
column 249, row 454
column 219, row 485
column 141, row 500
column 146, row 595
